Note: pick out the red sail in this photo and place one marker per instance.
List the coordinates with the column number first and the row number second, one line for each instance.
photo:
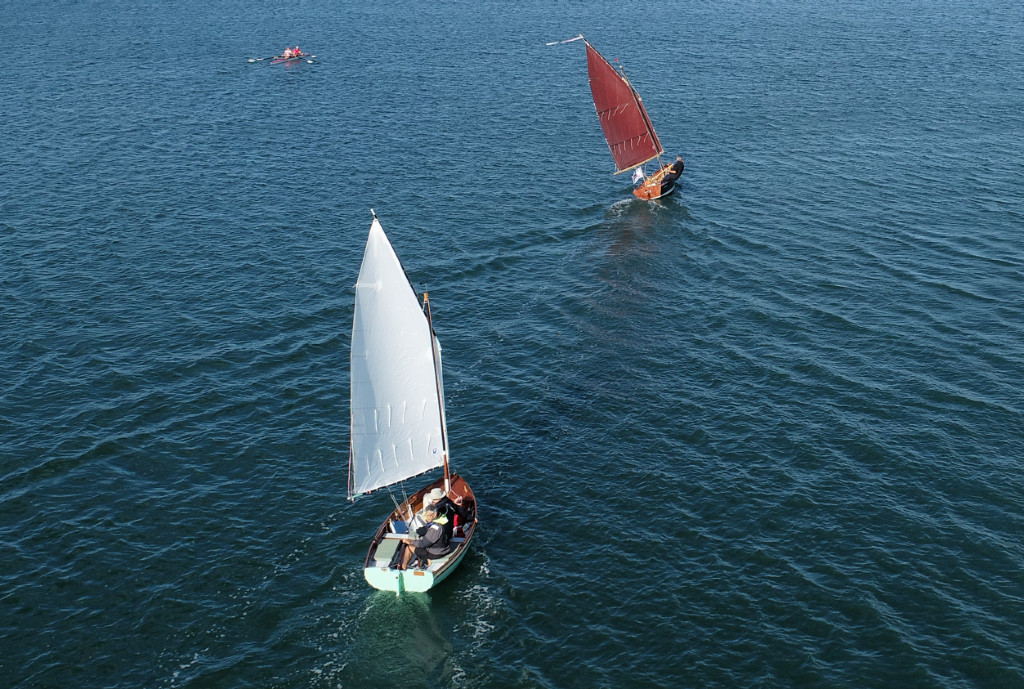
column 623, row 118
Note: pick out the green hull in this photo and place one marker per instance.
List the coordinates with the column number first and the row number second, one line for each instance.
column 384, row 550
column 415, row 580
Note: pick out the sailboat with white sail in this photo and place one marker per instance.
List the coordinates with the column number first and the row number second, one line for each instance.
column 398, row 425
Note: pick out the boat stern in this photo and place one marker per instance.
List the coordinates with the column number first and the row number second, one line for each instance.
column 399, row 581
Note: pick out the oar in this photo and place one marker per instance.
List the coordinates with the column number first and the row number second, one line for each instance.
column 261, row 59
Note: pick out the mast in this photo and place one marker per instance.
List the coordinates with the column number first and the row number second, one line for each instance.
column 440, row 392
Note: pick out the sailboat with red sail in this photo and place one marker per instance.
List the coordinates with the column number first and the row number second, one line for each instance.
column 628, row 129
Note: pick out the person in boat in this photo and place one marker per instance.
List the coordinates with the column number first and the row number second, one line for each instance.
column 449, row 509
column 287, row 52
column 432, row 542
column 297, row 52
column 673, row 172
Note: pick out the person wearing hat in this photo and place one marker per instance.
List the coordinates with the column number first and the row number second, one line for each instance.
column 432, row 542
column 448, row 509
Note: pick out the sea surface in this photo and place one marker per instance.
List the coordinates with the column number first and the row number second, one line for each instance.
column 767, row 432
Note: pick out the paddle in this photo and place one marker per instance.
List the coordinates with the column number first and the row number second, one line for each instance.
column 261, row 59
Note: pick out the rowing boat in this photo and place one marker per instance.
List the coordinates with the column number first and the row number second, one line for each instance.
column 279, row 59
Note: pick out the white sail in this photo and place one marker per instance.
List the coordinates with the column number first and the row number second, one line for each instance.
column 397, row 415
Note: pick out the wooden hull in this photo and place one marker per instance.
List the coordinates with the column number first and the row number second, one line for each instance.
column 655, row 186
column 379, row 568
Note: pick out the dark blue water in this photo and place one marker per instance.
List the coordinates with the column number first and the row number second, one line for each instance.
column 766, row 433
